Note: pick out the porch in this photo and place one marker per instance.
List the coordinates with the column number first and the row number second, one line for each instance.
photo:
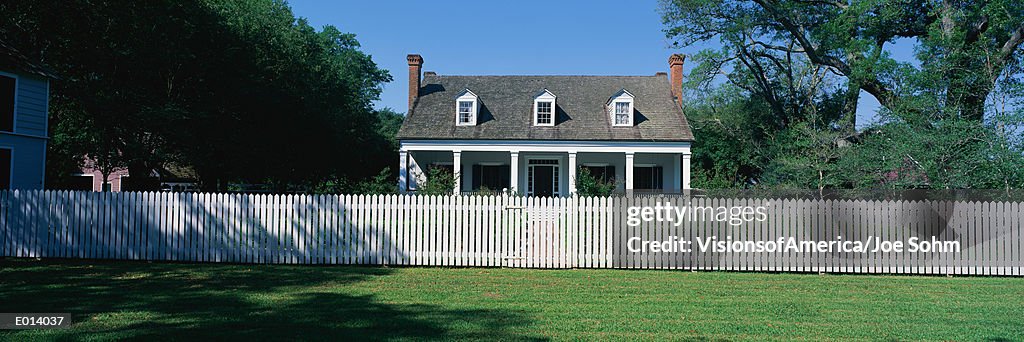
column 548, row 168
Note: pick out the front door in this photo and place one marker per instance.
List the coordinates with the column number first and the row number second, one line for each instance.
column 543, row 177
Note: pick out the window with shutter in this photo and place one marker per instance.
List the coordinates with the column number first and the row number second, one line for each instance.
column 605, row 173
column 647, row 178
column 491, row 177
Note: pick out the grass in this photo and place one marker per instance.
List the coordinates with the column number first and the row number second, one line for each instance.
column 138, row 300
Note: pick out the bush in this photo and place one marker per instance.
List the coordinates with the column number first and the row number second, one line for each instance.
column 588, row 185
column 439, row 182
column 381, row 184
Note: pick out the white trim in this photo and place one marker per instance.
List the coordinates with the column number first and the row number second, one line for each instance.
column 686, row 171
column 545, row 96
column 571, row 172
column 652, row 166
column 596, row 164
column 620, row 93
column 92, row 180
column 629, row 114
column 622, row 96
column 629, row 171
column 120, row 183
column 457, row 170
column 552, row 146
column 543, row 157
column 403, row 171
column 514, row 171
column 14, row 111
column 467, row 96
column 556, row 183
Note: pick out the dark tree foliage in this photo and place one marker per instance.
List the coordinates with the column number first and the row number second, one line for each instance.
column 238, row 91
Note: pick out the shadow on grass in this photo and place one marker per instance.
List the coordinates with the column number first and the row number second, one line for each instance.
column 135, row 300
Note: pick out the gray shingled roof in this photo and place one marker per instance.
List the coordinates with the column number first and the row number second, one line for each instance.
column 507, row 108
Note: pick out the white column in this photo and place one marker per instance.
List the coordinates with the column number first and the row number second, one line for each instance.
column 514, row 172
column 686, row 171
column 403, row 171
column 677, row 168
column 572, row 172
column 457, row 170
column 629, row 172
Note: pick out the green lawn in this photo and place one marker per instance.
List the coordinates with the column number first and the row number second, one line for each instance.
column 138, row 300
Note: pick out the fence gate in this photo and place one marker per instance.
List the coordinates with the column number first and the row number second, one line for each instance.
column 540, row 237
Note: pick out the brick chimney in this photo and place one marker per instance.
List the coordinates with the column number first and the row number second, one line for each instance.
column 675, row 64
column 415, row 65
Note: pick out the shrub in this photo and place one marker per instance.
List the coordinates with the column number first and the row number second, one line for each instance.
column 588, row 185
column 383, row 183
column 440, row 181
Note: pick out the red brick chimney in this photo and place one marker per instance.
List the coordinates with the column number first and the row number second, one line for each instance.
column 415, row 65
column 675, row 64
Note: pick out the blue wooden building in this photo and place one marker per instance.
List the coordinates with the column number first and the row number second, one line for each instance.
column 24, row 105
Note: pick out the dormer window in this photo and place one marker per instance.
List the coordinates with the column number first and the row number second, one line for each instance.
column 544, row 109
column 466, row 112
column 620, row 108
column 544, row 113
column 466, row 107
column 622, row 113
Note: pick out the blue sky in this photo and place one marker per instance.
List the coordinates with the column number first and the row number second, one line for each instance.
column 510, row 38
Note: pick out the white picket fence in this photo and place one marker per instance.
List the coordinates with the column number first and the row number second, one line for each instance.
column 488, row 231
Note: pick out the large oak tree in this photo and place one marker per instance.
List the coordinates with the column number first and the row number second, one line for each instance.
column 965, row 47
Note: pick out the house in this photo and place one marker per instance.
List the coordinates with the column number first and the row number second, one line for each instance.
column 531, row 134
column 170, row 177
column 24, row 106
column 90, row 178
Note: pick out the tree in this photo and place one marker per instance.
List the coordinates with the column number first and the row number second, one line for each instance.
column 966, row 47
column 777, row 121
column 236, row 90
column 955, row 153
column 387, row 125
column 784, row 117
